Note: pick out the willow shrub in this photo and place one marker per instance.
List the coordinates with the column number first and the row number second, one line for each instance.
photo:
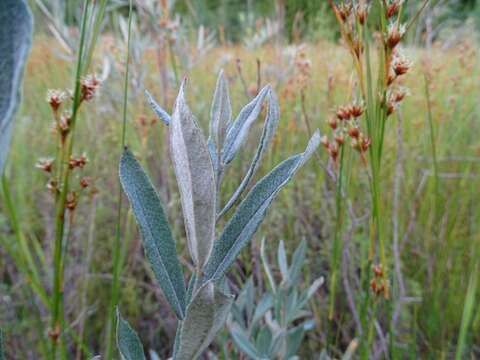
column 203, row 305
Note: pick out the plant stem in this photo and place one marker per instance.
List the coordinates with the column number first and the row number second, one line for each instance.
column 56, row 313
column 117, row 253
column 337, row 243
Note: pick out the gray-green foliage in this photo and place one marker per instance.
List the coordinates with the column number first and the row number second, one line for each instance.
column 15, row 41
column 128, row 343
column 264, row 328
column 2, row 350
column 199, row 165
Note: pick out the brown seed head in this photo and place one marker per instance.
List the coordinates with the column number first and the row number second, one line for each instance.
column 55, row 98
column 344, row 10
column 400, row 64
column 354, row 132
column 45, row 164
column 71, row 201
column 85, row 182
column 332, row 122
column 88, row 87
column 343, row 113
column 356, row 110
column 361, row 12
column 392, row 9
column 395, row 34
column 365, row 144
column 378, row 270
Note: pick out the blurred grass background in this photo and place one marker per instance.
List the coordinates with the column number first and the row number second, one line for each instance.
column 438, row 229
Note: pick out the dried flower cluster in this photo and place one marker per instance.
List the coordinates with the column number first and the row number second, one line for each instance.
column 55, row 165
column 302, row 69
column 352, row 20
column 345, row 125
column 378, row 284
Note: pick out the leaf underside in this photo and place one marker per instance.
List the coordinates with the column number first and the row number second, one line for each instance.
column 196, row 180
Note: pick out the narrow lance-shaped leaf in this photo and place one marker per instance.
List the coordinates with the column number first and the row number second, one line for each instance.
column 162, row 114
column 221, row 112
column 237, row 133
column 128, row 342
column 282, row 261
column 251, row 212
column 157, row 237
column 206, row 314
column 242, row 341
column 269, row 129
column 15, row 41
column 196, row 181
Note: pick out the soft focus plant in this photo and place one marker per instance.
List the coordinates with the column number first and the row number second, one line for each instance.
column 202, row 306
column 274, row 326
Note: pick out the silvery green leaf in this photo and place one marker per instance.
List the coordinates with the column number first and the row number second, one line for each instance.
column 311, row 291
column 162, row 114
column 196, row 180
column 324, row 355
column 291, row 305
column 266, row 266
column 153, row 355
column 157, row 237
column 237, row 133
column 262, row 307
column 191, row 285
column 205, row 316
column 213, row 155
column 128, row 342
column 221, row 112
column 282, row 261
column 2, row 349
column 278, row 343
column 294, row 340
column 263, row 342
column 298, row 259
column 251, row 212
column 269, row 128
column 15, row 41
column 241, row 340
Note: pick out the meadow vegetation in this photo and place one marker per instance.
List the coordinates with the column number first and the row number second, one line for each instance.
column 325, row 222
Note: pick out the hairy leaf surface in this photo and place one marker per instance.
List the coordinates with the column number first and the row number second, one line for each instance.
column 157, row 109
column 128, row 342
column 196, row 181
column 221, row 112
column 157, row 237
column 15, row 41
column 251, row 212
column 269, row 129
column 205, row 316
column 238, row 132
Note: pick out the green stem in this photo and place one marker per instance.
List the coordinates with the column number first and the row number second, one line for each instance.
column 56, row 313
column 117, row 247
column 337, row 244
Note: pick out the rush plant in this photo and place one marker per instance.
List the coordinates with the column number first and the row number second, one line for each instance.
column 378, row 95
column 202, row 306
